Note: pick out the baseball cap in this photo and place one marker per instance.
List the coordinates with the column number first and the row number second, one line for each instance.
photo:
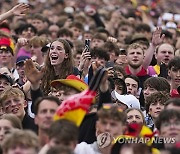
column 21, row 59
column 129, row 100
column 171, row 25
column 9, row 79
column 71, row 81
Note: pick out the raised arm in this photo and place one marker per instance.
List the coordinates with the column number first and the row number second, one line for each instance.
column 33, row 74
column 84, row 63
column 18, row 10
column 157, row 39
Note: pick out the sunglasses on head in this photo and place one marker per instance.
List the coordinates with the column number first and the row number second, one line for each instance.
column 109, row 106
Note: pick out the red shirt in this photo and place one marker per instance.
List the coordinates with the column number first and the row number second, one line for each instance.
column 142, row 72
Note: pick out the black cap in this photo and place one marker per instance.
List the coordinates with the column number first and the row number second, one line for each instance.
column 21, row 59
column 9, row 79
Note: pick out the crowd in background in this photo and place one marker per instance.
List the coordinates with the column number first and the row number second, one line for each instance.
column 79, row 76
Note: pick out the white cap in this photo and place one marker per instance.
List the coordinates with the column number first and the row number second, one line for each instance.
column 130, row 100
column 171, row 25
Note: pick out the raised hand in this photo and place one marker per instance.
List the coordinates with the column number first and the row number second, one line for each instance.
column 104, row 85
column 157, row 39
column 20, row 9
column 90, row 10
column 22, row 42
column 32, row 73
column 112, row 39
column 85, row 56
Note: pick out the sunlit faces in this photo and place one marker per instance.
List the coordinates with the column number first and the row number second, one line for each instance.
column 155, row 108
column 46, row 111
column 164, row 54
column 115, row 128
column 15, row 105
column 175, row 77
column 134, row 116
column 135, row 57
column 148, row 91
column 132, row 86
column 57, row 53
column 5, row 128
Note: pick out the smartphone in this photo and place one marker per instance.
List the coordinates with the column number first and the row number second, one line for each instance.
column 109, row 64
column 87, row 44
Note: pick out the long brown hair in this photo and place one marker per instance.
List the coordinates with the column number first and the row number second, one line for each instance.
column 66, row 68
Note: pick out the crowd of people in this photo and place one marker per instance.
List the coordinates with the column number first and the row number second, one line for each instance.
column 89, row 76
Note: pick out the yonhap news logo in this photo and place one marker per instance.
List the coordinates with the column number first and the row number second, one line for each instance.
column 104, row 140
column 146, row 140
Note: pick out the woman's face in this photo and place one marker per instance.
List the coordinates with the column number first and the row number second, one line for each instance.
column 57, row 53
column 5, row 128
column 134, row 116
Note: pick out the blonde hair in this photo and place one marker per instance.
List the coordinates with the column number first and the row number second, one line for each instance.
column 134, row 46
column 38, row 41
column 10, row 92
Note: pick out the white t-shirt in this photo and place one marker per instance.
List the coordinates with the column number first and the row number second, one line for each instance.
column 84, row 148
